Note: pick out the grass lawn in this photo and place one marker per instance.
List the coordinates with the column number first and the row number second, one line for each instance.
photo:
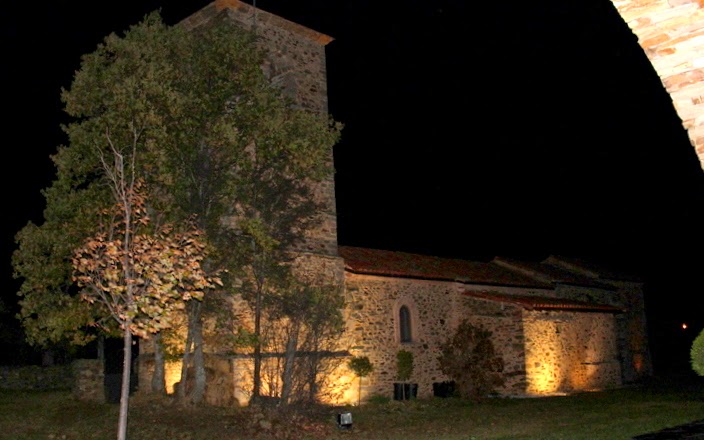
column 612, row 415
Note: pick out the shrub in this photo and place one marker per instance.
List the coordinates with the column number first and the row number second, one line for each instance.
column 404, row 365
column 697, row 354
column 378, row 399
column 468, row 357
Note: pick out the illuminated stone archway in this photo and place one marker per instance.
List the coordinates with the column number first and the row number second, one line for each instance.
column 671, row 33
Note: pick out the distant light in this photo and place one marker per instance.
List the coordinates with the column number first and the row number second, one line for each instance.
column 684, row 326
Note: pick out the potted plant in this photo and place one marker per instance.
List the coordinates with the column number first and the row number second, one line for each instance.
column 362, row 367
column 404, row 370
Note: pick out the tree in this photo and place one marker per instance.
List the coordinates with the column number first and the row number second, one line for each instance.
column 114, row 108
column 248, row 156
column 697, row 354
column 214, row 139
column 302, row 310
column 362, row 367
column 468, row 357
column 50, row 309
column 404, row 368
column 136, row 278
column 324, row 325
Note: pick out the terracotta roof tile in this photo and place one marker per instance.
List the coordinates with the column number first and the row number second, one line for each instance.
column 402, row 264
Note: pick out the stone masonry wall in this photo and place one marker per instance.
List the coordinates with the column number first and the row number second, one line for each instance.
column 543, row 352
column 89, row 380
column 297, row 64
column 632, row 338
column 634, row 344
column 225, row 360
column 504, row 321
column 569, row 351
column 35, row 377
column 372, row 328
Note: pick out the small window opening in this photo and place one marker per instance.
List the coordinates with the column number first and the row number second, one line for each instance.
column 405, row 324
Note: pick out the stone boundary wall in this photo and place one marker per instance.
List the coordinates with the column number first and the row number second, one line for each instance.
column 84, row 377
column 89, row 380
column 34, row 377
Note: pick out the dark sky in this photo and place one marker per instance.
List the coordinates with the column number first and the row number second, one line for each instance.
column 514, row 128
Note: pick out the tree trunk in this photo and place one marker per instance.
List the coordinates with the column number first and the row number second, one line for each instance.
column 159, row 376
column 198, row 391
column 313, row 368
column 101, row 348
column 359, row 392
column 287, row 376
column 257, row 375
column 125, row 390
column 186, row 360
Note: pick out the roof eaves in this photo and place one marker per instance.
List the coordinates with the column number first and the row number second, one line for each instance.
column 237, row 5
column 542, row 303
column 462, row 280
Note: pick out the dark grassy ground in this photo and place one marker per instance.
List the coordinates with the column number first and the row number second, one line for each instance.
column 612, row 415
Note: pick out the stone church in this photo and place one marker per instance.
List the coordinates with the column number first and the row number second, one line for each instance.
column 560, row 326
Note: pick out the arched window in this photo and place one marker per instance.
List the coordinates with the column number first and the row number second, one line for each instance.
column 404, row 322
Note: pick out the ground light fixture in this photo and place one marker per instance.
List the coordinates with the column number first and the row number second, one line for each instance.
column 344, row 420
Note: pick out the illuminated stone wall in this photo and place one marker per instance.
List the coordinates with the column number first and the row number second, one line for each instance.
column 372, row 323
column 543, row 352
column 632, row 338
column 567, row 352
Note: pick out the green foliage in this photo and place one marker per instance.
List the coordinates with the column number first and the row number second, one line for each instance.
column 50, row 308
column 361, row 366
column 697, row 354
column 213, row 139
column 468, row 357
column 404, row 365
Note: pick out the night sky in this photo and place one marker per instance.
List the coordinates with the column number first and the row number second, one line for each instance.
column 516, row 129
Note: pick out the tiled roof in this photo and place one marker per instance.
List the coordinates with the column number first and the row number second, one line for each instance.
column 543, row 303
column 498, row 272
column 402, row 264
